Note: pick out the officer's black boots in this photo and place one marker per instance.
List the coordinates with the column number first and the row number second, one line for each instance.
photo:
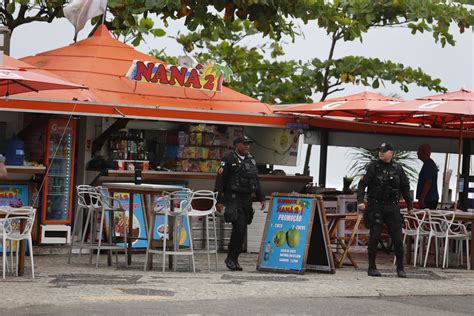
column 400, row 271
column 373, row 272
column 232, row 263
column 239, row 268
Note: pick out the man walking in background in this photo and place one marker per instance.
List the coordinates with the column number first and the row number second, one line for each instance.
column 427, row 188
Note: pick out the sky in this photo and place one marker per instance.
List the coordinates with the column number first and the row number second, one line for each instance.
column 453, row 65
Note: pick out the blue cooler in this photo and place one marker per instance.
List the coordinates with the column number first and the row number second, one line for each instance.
column 15, row 152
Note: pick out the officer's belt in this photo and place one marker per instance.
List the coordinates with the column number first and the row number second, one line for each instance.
column 240, row 194
column 383, row 202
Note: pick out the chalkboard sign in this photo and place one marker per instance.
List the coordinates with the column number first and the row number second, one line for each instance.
column 296, row 236
column 320, row 253
column 287, row 233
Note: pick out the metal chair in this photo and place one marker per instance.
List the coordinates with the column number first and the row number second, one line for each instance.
column 96, row 201
column 111, row 205
column 203, row 205
column 87, row 201
column 17, row 226
column 174, row 204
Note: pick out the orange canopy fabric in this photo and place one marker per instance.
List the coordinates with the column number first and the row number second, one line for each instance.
column 356, row 105
column 440, row 110
column 101, row 62
column 16, row 80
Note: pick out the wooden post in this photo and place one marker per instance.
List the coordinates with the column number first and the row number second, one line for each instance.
column 466, row 163
column 323, row 158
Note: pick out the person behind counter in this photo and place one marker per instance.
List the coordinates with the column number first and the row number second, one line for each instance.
column 236, row 182
column 427, row 187
column 385, row 180
column 3, row 169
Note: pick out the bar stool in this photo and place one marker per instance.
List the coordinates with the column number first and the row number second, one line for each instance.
column 96, row 201
column 203, row 205
column 87, row 202
column 111, row 205
column 173, row 204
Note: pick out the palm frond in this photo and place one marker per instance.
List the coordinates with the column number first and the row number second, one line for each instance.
column 361, row 157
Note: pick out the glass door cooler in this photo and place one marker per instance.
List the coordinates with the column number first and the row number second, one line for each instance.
column 58, row 186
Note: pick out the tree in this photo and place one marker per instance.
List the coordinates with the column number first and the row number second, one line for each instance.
column 270, row 81
column 276, row 81
column 268, row 17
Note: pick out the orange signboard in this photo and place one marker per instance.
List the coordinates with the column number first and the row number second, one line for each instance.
column 208, row 77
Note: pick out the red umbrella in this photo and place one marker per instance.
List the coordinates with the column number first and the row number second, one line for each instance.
column 447, row 110
column 451, row 109
column 358, row 105
column 15, row 80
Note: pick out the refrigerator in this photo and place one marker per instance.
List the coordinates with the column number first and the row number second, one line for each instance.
column 58, row 185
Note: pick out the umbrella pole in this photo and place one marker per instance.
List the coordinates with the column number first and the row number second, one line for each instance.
column 308, row 158
column 443, row 196
column 456, row 198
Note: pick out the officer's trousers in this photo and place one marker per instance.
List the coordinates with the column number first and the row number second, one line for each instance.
column 243, row 207
column 389, row 215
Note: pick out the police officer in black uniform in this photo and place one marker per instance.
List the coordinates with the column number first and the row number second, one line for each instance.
column 237, row 183
column 385, row 181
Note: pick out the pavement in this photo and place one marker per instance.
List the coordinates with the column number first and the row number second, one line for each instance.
column 58, row 284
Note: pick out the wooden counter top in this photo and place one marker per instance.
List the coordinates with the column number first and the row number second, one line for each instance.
column 26, row 169
column 200, row 175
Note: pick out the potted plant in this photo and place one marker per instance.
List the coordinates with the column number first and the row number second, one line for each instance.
column 347, row 181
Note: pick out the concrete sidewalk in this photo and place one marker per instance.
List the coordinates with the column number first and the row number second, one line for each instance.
column 58, row 283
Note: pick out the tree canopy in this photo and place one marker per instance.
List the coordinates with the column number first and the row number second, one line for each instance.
column 218, row 26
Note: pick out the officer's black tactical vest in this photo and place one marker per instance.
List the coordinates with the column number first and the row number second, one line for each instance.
column 387, row 182
column 244, row 176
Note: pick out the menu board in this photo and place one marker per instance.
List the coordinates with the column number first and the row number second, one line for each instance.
column 287, row 233
column 14, row 194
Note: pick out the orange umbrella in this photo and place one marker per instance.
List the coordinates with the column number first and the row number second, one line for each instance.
column 447, row 110
column 450, row 109
column 15, row 80
column 357, row 105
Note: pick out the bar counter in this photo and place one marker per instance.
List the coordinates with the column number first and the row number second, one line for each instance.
column 24, row 172
column 205, row 181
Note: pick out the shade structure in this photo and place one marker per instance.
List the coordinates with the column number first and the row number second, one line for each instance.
column 449, row 110
column 357, row 105
column 15, row 80
column 441, row 110
column 101, row 62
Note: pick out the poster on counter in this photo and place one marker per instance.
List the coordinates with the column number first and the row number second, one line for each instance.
column 139, row 229
column 14, row 195
column 287, row 233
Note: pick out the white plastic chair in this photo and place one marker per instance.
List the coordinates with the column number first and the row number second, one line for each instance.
column 414, row 226
column 173, row 204
column 203, row 204
column 439, row 221
column 456, row 231
column 12, row 231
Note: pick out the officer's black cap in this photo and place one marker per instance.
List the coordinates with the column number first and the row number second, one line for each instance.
column 243, row 140
column 385, row 146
